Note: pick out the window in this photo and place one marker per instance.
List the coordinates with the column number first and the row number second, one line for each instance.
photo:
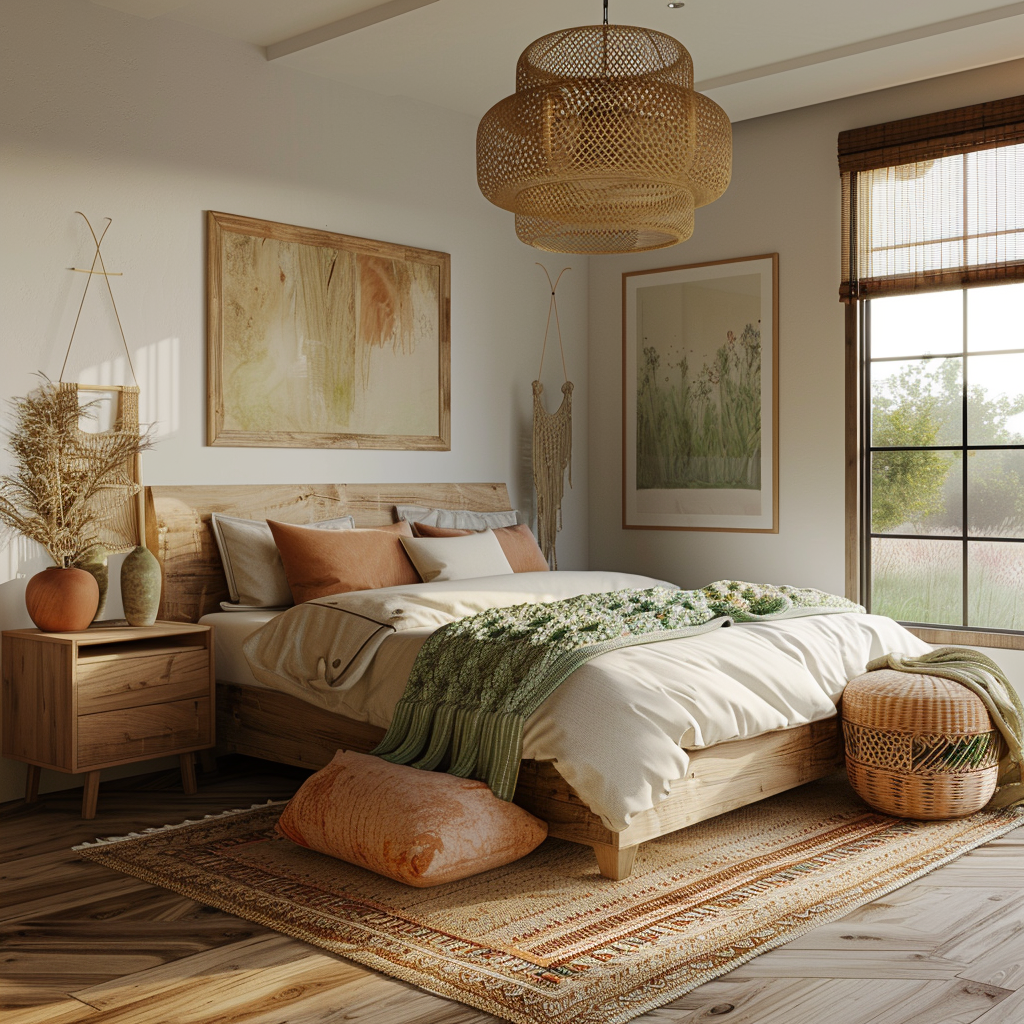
column 933, row 272
column 944, row 457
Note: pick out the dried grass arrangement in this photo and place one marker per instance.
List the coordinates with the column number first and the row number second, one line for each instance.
column 67, row 482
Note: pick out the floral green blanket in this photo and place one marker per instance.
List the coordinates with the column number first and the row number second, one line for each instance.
column 476, row 681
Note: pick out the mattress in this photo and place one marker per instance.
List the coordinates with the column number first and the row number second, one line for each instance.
column 230, row 630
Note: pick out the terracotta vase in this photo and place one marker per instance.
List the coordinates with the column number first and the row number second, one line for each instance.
column 62, row 600
column 94, row 562
column 140, row 587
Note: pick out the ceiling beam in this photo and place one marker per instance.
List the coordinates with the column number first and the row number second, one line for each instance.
column 879, row 42
column 143, row 8
column 342, row 27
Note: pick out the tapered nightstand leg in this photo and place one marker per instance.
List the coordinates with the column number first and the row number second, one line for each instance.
column 188, row 773
column 90, row 794
column 32, row 784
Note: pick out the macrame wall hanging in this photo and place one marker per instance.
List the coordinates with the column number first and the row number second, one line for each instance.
column 552, row 441
column 119, row 520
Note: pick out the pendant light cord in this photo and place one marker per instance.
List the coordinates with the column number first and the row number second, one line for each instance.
column 604, row 41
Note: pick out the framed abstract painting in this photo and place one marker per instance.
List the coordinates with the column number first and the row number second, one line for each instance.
column 700, row 393
column 321, row 340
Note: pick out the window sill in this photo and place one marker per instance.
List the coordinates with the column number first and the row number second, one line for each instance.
column 969, row 638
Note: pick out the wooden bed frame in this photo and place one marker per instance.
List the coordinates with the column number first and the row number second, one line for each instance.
column 276, row 726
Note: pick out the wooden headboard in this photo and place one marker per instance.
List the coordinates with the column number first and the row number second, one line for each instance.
column 178, row 524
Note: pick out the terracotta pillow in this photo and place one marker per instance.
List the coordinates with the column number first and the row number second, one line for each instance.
column 420, row 828
column 322, row 562
column 518, row 542
column 251, row 563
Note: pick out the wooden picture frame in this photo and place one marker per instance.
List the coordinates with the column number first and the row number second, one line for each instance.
column 700, row 397
column 322, row 340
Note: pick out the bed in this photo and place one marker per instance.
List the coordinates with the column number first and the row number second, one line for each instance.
column 285, row 727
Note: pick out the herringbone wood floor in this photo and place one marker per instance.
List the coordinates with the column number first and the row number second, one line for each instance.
column 81, row 943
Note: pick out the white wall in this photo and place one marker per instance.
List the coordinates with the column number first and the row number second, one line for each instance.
column 784, row 198
column 152, row 123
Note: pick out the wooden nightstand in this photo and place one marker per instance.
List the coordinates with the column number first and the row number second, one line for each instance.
column 79, row 702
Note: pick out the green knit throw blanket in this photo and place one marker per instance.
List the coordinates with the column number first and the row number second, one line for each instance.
column 981, row 675
column 476, row 681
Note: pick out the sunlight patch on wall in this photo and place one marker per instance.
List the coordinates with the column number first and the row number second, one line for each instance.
column 158, row 369
column 110, row 371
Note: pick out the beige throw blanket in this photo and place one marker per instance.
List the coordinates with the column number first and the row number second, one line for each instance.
column 982, row 676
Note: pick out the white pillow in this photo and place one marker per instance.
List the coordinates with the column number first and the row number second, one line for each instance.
column 251, row 561
column 456, row 518
column 457, row 558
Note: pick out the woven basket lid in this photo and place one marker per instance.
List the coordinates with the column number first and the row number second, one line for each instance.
column 908, row 702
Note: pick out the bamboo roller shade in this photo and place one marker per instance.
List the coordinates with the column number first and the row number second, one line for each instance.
column 934, row 202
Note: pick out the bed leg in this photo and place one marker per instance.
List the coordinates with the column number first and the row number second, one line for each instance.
column 615, row 863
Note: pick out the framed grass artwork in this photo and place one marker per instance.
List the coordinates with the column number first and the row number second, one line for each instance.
column 700, row 387
column 321, row 340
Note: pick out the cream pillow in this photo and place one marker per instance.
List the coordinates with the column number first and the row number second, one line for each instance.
column 251, row 561
column 456, row 518
column 457, row 558
column 518, row 542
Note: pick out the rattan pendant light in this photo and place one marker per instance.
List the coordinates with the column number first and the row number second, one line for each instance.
column 604, row 147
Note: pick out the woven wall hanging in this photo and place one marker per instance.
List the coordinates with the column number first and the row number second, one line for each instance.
column 604, row 147
column 120, row 520
column 552, row 441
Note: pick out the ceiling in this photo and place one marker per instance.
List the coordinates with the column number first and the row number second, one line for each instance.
column 752, row 57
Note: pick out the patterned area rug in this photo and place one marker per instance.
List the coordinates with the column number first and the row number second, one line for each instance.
column 547, row 938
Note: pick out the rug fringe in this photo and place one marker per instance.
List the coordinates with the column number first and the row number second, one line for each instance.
column 110, row 840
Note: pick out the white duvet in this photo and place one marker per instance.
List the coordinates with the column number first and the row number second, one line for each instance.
column 618, row 728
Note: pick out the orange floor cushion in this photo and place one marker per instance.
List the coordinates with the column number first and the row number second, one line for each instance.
column 421, row 828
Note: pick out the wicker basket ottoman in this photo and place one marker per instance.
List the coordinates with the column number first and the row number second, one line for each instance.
column 919, row 746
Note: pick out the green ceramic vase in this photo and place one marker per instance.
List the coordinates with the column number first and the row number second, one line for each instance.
column 94, row 562
column 140, row 587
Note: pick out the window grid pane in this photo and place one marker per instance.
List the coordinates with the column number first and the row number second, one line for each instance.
column 917, row 580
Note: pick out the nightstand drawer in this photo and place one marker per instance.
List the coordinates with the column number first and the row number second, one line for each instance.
column 132, row 734
column 110, row 684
